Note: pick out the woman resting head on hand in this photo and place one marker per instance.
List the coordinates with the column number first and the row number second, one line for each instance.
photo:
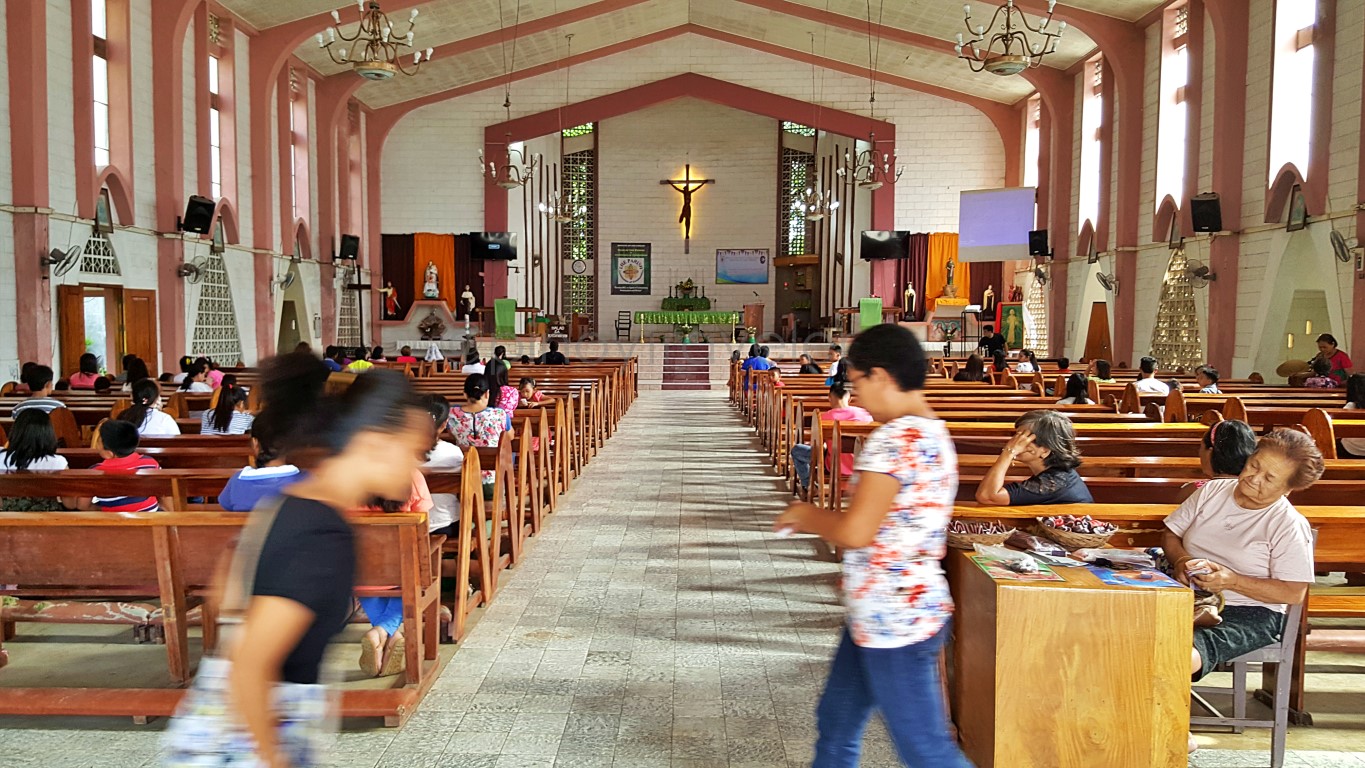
column 1045, row 443
column 1243, row 537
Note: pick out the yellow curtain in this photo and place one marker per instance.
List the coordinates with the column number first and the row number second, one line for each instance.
column 438, row 250
column 942, row 250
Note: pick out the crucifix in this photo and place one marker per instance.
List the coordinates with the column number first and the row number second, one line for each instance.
column 687, row 185
column 359, row 288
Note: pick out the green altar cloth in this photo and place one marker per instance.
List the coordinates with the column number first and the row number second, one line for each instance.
column 687, row 318
column 869, row 313
column 505, row 318
column 687, row 304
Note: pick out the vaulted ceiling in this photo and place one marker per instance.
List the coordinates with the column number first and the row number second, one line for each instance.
column 476, row 41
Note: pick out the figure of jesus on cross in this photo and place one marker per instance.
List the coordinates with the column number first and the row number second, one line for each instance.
column 687, row 185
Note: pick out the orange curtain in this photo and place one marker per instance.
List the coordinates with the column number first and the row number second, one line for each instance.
column 943, row 249
column 438, row 250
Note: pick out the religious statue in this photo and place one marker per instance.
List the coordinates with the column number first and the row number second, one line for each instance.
column 686, row 186
column 431, row 327
column 467, row 302
column 910, row 297
column 950, row 287
column 391, row 306
column 988, row 300
column 429, row 288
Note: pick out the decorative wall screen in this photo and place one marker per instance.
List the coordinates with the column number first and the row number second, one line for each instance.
column 1175, row 339
column 578, row 180
column 98, row 256
column 798, row 173
column 1035, row 318
column 215, row 325
column 348, row 318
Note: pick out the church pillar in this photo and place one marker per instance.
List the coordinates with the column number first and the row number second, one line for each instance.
column 334, row 128
column 1357, row 340
column 1056, row 137
column 1230, row 29
column 26, row 37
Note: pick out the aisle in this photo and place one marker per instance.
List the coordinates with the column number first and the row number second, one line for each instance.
column 656, row 622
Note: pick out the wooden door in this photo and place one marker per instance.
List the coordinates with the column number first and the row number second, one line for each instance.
column 1097, row 346
column 70, row 328
column 139, row 326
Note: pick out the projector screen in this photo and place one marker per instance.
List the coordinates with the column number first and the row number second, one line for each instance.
column 993, row 224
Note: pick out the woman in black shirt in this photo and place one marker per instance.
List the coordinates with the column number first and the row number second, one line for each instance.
column 1045, row 443
column 371, row 439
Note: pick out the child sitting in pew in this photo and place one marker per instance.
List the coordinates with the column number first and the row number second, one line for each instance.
column 1045, row 443
column 145, row 413
column 530, row 396
column 229, row 416
column 118, row 449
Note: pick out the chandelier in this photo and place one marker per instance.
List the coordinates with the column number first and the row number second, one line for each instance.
column 557, row 205
column 516, row 167
column 816, row 205
column 561, row 209
column 869, row 170
column 1010, row 50
column 377, row 52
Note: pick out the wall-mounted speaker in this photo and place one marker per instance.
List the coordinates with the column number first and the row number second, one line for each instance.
column 1205, row 213
column 1037, row 242
column 350, row 248
column 198, row 215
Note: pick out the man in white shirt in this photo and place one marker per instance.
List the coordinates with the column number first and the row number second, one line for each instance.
column 1147, row 384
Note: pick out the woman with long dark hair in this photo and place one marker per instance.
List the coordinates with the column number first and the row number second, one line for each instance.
column 197, row 378
column 32, row 447
column 973, row 370
column 229, row 416
column 145, row 413
column 501, row 393
column 135, row 370
column 476, row 423
column 89, row 371
column 1077, row 390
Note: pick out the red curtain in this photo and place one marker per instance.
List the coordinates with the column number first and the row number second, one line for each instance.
column 914, row 271
column 985, row 273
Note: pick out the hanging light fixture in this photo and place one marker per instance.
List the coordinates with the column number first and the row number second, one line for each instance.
column 1014, row 47
column 868, row 169
column 558, row 206
column 815, row 205
column 376, row 52
column 516, row 166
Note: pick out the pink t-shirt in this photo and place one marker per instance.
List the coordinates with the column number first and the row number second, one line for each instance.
column 851, row 413
column 80, row 380
column 1271, row 543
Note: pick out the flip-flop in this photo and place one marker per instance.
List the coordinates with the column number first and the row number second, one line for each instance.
column 394, row 656
column 369, row 664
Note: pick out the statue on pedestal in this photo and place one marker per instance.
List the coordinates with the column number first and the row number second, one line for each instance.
column 950, row 288
column 467, row 302
column 431, row 327
column 391, row 306
column 988, row 300
column 430, row 289
column 910, row 297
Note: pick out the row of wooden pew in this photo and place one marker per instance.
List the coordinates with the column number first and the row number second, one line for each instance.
column 1136, row 460
column 49, row 572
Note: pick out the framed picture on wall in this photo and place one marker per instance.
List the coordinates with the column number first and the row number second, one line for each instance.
column 742, row 266
column 1298, row 210
column 630, row 269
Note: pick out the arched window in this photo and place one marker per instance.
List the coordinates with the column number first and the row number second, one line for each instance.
column 1092, row 111
column 1171, row 115
column 1032, row 116
column 298, row 143
column 99, row 30
column 1291, row 96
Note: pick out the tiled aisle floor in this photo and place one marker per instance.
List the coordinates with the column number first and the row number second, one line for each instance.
column 656, row 622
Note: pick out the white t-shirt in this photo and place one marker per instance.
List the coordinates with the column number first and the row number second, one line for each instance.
column 1024, row 367
column 834, row 366
column 158, row 424
column 199, row 387
column 1152, row 386
column 178, row 379
column 1073, row 401
column 445, row 506
column 1271, row 543
column 473, row 368
column 1353, row 445
column 46, row 463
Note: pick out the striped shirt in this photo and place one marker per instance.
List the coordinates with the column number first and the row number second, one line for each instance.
column 239, row 425
column 127, row 465
column 44, row 404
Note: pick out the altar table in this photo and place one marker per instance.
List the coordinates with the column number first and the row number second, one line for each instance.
column 1069, row 674
column 693, row 319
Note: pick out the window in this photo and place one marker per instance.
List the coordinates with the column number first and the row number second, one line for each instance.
column 1092, row 112
column 1171, row 115
column 99, row 28
column 298, row 143
column 215, row 132
column 1291, row 99
column 1031, row 141
column 798, row 174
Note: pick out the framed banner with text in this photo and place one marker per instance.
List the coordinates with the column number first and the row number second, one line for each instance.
column 630, row 269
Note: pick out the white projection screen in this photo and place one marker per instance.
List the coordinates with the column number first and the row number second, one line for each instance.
column 993, row 224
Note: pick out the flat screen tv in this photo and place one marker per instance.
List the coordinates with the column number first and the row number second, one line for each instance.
column 493, row 246
column 885, row 245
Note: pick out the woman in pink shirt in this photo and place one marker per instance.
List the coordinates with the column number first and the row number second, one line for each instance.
column 85, row 377
column 839, row 410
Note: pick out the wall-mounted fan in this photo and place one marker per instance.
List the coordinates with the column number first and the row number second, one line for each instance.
column 1200, row 274
column 193, row 271
column 1110, row 282
column 1343, row 247
column 60, row 262
column 283, row 283
column 1040, row 275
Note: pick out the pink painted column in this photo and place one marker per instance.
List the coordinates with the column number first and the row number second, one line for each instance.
column 882, row 275
column 377, row 127
column 1055, row 143
column 1231, row 32
column 26, row 38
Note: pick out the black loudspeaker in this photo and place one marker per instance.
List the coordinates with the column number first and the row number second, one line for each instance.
column 1206, row 213
column 198, row 215
column 350, row 248
column 1037, row 242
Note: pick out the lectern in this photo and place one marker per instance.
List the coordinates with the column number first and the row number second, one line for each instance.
column 753, row 318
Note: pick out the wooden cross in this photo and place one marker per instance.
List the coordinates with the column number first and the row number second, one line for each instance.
column 360, row 307
column 687, row 185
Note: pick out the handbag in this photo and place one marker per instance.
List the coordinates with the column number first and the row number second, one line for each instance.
column 205, row 731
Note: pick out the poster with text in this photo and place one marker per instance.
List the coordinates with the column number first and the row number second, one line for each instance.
column 630, row 269
column 744, row 266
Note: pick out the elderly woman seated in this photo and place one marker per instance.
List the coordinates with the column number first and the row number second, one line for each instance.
column 1241, row 537
column 1045, row 443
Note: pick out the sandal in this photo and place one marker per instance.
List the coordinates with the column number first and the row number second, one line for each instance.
column 372, row 651
column 395, row 657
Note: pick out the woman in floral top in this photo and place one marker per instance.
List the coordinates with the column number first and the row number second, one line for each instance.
column 503, row 396
column 475, row 424
column 893, row 535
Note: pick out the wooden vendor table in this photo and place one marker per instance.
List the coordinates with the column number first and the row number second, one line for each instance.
column 1069, row 674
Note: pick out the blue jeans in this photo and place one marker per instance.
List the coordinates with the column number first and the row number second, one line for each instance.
column 385, row 612
column 902, row 683
column 801, row 463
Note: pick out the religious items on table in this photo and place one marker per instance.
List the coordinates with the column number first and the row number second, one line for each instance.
column 431, row 327
column 684, row 298
column 430, row 289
